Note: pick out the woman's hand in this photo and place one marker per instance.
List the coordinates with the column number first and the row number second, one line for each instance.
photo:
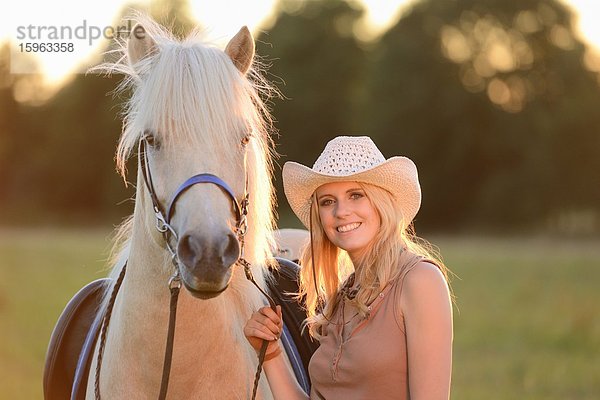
column 265, row 324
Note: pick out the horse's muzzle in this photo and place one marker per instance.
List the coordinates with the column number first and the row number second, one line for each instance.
column 206, row 262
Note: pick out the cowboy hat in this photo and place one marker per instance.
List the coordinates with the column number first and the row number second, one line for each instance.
column 356, row 159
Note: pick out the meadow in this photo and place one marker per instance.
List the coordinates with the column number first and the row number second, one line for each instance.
column 527, row 321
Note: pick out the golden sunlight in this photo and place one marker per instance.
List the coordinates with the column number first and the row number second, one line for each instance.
column 88, row 26
column 59, row 36
column 587, row 14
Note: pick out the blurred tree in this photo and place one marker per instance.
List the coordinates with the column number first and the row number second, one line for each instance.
column 9, row 121
column 320, row 67
column 17, row 92
column 76, row 134
column 492, row 101
column 58, row 157
column 489, row 97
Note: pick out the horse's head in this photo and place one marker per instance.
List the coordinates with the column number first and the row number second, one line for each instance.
column 196, row 112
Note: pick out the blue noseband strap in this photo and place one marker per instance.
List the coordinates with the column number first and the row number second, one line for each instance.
column 203, row 178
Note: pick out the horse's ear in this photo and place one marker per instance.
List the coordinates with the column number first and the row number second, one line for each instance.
column 139, row 45
column 241, row 50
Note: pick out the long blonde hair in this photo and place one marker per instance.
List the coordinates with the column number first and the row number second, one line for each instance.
column 325, row 267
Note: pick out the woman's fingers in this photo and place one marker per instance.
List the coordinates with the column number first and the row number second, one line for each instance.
column 254, row 328
column 256, row 334
column 272, row 315
column 279, row 313
column 270, row 319
column 264, row 324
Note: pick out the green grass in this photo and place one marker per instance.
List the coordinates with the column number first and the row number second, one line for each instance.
column 39, row 272
column 527, row 323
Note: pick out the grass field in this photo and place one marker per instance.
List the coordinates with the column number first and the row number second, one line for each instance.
column 527, row 320
column 39, row 272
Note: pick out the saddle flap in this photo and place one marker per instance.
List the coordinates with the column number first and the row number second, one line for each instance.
column 67, row 340
column 286, row 282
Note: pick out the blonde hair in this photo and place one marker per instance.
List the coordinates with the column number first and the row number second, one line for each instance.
column 325, row 267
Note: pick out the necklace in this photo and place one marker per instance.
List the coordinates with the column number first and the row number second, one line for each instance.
column 347, row 291
column 344, row 293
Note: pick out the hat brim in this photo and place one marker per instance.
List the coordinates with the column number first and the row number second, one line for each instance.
column 397, row 175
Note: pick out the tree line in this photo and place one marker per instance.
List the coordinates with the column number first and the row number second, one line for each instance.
column 493, row 100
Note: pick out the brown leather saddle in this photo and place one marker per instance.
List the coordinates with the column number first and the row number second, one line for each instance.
column 70, row 350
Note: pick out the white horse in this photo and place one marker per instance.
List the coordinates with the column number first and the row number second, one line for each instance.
column 200, row 111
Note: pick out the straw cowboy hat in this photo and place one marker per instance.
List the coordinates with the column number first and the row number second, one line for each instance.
column 356, row 159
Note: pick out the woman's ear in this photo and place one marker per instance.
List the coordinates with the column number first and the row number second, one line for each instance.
column 241, row 50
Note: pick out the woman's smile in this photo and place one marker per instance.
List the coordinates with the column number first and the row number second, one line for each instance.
column 348, row 228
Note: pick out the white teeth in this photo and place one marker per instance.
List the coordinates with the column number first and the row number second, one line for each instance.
column 349, row 227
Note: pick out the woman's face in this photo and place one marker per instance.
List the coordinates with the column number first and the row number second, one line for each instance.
column 349, row 219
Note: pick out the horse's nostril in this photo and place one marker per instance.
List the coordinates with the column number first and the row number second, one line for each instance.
column 189, row 250
column 231, row 252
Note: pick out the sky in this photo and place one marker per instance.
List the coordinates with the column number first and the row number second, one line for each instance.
column 222, row 19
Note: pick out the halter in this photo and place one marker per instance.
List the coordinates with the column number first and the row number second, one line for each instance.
column 163, row 225
column 163, row 221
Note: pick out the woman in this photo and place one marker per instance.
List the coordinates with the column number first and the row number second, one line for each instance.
column 377, row 300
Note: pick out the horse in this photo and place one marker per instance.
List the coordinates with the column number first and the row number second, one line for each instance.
column 194, row 108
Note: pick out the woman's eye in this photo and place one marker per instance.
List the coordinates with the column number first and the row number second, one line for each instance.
column 326, row 202
column 356, row 196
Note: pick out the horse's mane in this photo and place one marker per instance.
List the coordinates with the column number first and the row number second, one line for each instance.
column 189, row 87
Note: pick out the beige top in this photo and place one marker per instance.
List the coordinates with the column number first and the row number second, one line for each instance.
column 364, row 358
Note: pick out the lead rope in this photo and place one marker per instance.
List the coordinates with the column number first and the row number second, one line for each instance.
column 241, row 230
column 265, row 343
column 174, row 287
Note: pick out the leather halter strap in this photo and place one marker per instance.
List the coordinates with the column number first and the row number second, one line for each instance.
column 145, row 167
column 164, row 219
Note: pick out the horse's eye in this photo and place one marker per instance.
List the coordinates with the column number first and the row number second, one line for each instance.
column 151, row 140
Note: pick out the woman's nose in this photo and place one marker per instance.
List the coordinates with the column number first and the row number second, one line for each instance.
column 342, row 209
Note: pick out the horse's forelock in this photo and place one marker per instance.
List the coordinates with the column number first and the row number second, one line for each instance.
column 193, row 92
